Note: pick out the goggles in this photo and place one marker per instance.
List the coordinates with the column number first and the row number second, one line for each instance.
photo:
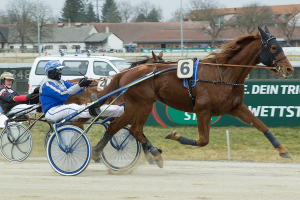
column 58, row 70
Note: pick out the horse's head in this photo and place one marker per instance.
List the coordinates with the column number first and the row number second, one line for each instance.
column 154, row 59
column 158, row 58
column 272, row 55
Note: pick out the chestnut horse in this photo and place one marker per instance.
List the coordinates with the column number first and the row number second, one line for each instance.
column 218, row 91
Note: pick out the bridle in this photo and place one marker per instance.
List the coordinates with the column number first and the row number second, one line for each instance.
column 271, row 57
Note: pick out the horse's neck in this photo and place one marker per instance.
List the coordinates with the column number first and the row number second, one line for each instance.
column 248, row 56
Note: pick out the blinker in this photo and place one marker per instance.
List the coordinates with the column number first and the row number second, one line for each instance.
column 266, row 56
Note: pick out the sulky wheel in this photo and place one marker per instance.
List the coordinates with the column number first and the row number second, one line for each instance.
column 15, row 147
column 121, row 153
column 77, row 157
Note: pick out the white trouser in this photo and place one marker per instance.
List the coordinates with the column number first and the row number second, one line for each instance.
column 20, row 107
column 112, row 111
column 61, row 111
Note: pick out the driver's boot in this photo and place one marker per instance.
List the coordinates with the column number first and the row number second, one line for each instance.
column 94, row 110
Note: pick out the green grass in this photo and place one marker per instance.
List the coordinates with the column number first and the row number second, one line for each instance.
column 246, row 143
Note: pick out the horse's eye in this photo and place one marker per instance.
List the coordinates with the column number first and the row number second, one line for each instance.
column 273, row 48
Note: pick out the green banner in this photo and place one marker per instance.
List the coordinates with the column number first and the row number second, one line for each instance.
column 177, row 50
column 274, row 103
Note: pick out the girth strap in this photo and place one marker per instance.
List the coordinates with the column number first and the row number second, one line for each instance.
column 191, row 82
column 192, row 98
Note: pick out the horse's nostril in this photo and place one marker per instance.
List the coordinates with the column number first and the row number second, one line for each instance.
column 289, row 70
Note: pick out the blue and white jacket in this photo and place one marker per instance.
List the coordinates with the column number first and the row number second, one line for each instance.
column 55, row 93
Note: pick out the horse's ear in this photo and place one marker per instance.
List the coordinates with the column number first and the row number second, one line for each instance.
column 267, row 30
column 154, row 56
column 161, row 54
column 264, row 36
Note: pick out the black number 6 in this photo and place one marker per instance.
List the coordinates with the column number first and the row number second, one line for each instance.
column 183, row 67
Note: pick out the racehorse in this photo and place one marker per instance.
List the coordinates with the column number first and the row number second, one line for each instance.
column 219, row 90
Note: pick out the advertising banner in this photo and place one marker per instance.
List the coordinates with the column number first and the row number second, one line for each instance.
column 274, row 103
column 178, row 50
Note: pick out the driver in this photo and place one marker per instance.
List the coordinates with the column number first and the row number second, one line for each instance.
column 10, row 100
column 54, row 93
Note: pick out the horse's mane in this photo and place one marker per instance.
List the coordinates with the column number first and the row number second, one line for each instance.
column 133, row 64
column 233, row 47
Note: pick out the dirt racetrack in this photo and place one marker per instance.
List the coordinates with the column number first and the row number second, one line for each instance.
column 34, row 179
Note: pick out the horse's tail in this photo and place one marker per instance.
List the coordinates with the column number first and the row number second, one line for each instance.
column 112, row 86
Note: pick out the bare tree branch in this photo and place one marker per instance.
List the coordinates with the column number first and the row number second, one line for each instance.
column 208, row 10
column 143, row 8
column 289, row 22
column 45, row 17
column 252, row 15
column 126, row 11
column 20, row 12
column 176, row 15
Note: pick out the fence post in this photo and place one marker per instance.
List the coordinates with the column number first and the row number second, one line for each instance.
column 228, row 145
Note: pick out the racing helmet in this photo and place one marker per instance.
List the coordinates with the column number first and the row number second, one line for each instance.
column 51, row 69
column 6, row 75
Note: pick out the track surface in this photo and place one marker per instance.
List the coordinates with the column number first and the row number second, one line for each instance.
column 35, row 179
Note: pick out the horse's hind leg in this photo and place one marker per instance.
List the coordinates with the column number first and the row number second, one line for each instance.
column 247, row 116
column 117, row 124
column 136, row 130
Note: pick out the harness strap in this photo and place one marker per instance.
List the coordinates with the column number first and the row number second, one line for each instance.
column 219, row 82
column 220, row 76
column 192, row 98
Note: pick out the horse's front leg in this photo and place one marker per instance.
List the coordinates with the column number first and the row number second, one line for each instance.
column 203, row 121
column 247, row 116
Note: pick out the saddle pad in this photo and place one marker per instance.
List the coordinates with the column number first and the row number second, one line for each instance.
column 194, row 74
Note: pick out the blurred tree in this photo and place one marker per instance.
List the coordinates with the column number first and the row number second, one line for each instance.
column 45, row 17
column 126, row 11
column 147, row 12
column 90, row 14
column 73, row 11
column 23, row 14
column 208, row 10
column 288, row 22
column 154, row 15
column 140, row 18
column 110, row 13
column 176, row 15
column 250, row 16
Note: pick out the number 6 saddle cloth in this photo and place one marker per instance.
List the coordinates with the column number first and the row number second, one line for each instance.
column 185, row 80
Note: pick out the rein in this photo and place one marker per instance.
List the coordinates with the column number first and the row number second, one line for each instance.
column 230, row 65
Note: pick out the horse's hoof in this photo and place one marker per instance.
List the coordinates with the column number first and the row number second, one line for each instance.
column 96, row 156
column 169, row 135
column 158, row 160
column 151, row 161
column 173, row 136
column 148, row 156
column 285, row 155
